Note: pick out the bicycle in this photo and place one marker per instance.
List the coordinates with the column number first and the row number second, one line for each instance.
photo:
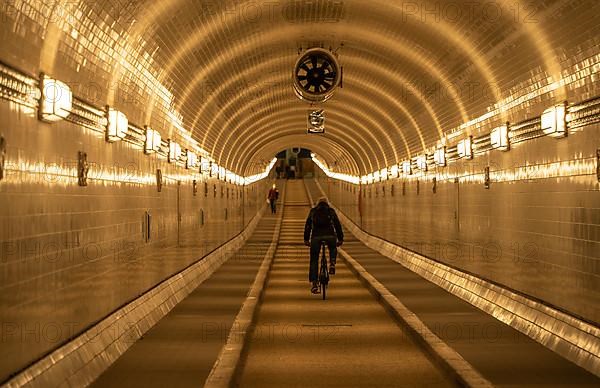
column 323, row 272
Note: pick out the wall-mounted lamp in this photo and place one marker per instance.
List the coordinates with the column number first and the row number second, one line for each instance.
column 407, row 168
column 465, row 148
column 192, row 159
column 222, row 173
column 174, row 152
column 153, row 140
column 422, row 162
column 56, row 100
column 394, row 171
column 439, row 156
column 369, row 178
column 117, row 126
column 499, row 138
column 204, row 166
column 554, row 121
column 384, row 174
column 376, row 176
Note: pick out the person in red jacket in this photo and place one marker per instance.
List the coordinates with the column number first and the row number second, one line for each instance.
column 273, row 196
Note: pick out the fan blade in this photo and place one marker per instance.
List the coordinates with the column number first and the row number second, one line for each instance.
column 302, row 77
column 304, row 67
column 330, row 76
column 313, row 60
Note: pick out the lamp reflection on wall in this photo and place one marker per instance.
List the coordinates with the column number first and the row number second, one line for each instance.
column 439, row 156
column 153, row 140
column 376, row 176
column 117, row 126
column 554, row 121
column 499, row 138
column 214, row 169
column 369, row 178
column 192, row 159
column 222, row 173
column 56, row 101
column 174, row 151
column 465, row 148
column 422, row 162
column 394, row 171
column 407, row 168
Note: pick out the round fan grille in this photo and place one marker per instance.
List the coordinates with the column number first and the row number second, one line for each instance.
column 316, row 75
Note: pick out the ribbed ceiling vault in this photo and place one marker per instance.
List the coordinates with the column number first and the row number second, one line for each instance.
column 228, row 65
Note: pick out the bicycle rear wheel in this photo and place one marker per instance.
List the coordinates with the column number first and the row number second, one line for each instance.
column 324, row 273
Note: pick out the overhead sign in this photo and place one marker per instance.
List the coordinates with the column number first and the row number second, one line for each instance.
column 316, row 122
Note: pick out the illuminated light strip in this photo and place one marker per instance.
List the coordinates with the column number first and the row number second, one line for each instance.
column 335, row 175
column 255, row 178
column 511, row 102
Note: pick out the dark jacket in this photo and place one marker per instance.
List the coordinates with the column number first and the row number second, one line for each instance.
column 333, row 229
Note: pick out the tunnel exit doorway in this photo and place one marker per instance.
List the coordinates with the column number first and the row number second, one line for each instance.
column 294, row 163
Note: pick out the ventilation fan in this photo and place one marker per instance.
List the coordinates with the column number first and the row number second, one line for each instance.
column 316, row 75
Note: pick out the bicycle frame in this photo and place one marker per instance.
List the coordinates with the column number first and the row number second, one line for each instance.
column 323, row 272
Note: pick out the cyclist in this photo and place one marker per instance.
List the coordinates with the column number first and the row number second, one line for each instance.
column 322, row 225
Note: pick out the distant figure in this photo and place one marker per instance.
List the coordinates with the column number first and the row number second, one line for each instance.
column 273, row 196
column 293, row 172
column 322, row 225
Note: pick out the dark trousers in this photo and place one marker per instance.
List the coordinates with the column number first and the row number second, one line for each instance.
column 273, row 209
column 315, row 252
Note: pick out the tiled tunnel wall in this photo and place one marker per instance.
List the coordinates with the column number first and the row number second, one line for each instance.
column 71, row 255
column 536, row 229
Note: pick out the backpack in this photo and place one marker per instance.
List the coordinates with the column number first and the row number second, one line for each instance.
column 321, row 217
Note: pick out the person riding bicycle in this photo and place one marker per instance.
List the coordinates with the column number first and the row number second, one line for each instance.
column 322, row 225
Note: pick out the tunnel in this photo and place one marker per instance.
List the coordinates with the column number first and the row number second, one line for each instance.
column 301, row 193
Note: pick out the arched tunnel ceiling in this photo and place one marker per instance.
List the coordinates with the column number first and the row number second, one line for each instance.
column 407, row 67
